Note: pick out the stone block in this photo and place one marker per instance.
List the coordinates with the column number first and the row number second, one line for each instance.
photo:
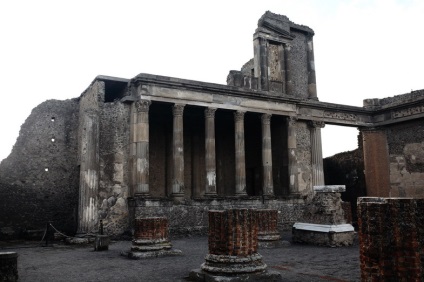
column 101, row 243
column 9, row 266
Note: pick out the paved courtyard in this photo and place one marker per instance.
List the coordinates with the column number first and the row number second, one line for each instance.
column 75, row 263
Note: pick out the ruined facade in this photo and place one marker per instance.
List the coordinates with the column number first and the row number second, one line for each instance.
column 163, row 146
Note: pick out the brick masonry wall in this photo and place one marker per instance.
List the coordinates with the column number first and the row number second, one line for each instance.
column 233, row 232
column 391, row 236
column 151, row 228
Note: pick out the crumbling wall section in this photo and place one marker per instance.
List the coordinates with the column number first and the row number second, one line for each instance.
column 406, row 155
column 114, row 179
column 39, row 179
column 304, row 158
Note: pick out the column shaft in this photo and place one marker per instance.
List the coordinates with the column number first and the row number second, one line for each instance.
column 312, row 87
column 289, row 73
column 267, row 186
column 316, row 153
column 210, row 159
column 141, row 147
column 89, row 173
column 178, row 152
column 292, row 156
column 240, row 154
column 376, row 162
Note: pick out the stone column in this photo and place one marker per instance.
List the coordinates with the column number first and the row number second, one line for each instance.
column 210, row 152
column 89, row 172
column 178, row 153
column 316, row 153
column 289, row 73
column 140, row 146
column 261, row 63
column 281, row 49
column 376, row 162
column 267, row 186
column 312, row 86
column 292, row 156
column 240, row 154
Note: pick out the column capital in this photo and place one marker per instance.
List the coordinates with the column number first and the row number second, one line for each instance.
column 239, row 115
column 142, row 105
column 266, row 118
column 210, row 112
column 316, row 124
column 178, row 109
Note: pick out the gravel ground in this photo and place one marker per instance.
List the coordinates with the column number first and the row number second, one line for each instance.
column 75, row 263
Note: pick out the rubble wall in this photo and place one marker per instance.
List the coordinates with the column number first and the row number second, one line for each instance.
column 406, row 157
column 39, row 179
column 191, row 217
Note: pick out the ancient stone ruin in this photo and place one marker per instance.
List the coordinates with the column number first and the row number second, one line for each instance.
column 233, row 249
column 154, row 146
column 323, row 221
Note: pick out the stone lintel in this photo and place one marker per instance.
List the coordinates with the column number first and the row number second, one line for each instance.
column 326, row 228
column 330, row 188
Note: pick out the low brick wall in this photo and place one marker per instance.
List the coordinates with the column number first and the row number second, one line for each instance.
column 391, row 238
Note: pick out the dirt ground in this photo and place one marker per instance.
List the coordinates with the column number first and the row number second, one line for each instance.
column 60, row 262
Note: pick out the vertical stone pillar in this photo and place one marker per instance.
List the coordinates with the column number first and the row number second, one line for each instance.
column 240, row 154
column 210, row 152
column 140, row 147
column 391, row 236
column 289, row 73
column 316, row 153
column 376, row 162
column 292, row 156
column 178, row 153
column 89, row 173
column 312, row 86
column 267, row 187
column 261, row 63
column 281, row 49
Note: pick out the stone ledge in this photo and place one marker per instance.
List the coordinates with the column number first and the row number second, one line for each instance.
column 330, row 189
column 268, row 275
column 324, row 227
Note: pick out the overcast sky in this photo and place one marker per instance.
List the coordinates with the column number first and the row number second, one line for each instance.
column 54, row 49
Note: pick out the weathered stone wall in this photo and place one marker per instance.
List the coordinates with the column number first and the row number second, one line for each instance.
column 114, row 180
column 192, row 216
column 406, row 155
column 39, row 179
column 299, row 65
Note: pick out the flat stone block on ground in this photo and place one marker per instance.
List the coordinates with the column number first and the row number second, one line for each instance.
column 323, row 235
column 152, row 254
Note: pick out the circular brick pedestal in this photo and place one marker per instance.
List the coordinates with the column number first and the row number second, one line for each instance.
column 151, row 239
column 233, row 246
column 267, row 224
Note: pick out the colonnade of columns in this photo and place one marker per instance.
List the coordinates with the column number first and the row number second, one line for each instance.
column 139, row 151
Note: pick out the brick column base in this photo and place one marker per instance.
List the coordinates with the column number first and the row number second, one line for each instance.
column 151, row 239
column 391, row 239
column 233, row 245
